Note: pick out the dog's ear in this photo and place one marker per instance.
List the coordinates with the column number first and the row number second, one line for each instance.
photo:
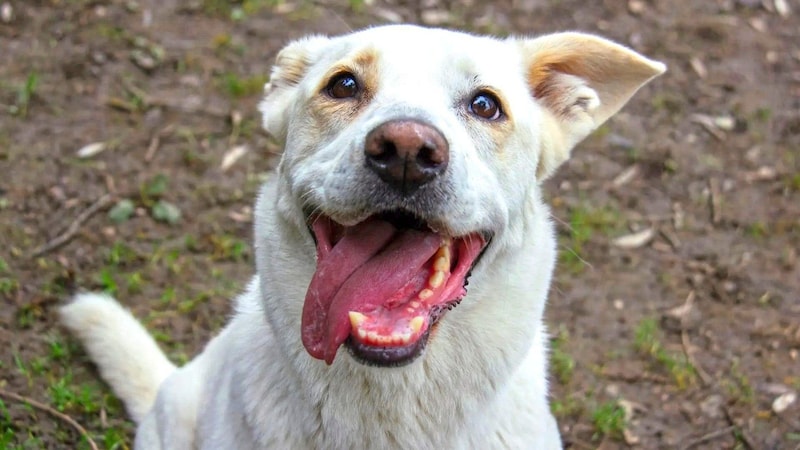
column 290, row 67
column 581, row 80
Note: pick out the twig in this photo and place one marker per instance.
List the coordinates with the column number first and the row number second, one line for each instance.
column 708, row 124
column 708, row 437
column 155, row 142
column 715, row 200
column 743, row 435
column 73, row 228
column 634, row 377
column 704, row 377
column 41, row 406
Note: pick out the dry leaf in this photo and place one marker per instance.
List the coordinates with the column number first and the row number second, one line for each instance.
column 87, row 151
column 783, row 401
column 635, row 240
column 232, row 156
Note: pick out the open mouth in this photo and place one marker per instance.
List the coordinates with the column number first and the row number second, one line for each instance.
column 381, row 285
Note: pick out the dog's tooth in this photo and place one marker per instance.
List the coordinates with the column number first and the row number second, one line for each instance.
column 442, row 264
column 442, row 261
column 405, row 338
column 356, row 319
column 436, row 279
column 415, row 304
column 423, row 295
column 372, row 336
column 362, row 334
column 416, row 324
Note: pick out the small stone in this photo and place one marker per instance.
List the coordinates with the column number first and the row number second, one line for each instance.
column 758, row 24
column 6, row 12
column 725, row 123
column 435, row 17
column 636, row 7
column 143, row 60
column 782, row 8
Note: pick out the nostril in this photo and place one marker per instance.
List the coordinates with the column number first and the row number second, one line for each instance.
column 388, row 150
column 428, row 156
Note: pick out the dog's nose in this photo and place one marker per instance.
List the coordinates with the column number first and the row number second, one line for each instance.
column 406, row 154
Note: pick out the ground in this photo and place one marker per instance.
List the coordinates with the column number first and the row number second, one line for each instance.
column 130, row 153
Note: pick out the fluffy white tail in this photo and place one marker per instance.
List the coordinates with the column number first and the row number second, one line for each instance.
column 127, row 356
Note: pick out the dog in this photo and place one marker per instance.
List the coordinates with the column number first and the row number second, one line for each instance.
column 409, row 184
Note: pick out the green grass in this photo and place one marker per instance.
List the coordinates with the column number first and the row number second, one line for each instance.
column 236, row 9
column 24, row 94
column 237, row 86
column 568, row 406
column 609, row 420
column 46, row 370
column 8, row 284
column 584, row 222
column 738, row 386
column 647, row 340
column 561, row 362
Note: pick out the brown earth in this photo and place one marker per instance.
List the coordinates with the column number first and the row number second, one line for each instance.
column 682, row 338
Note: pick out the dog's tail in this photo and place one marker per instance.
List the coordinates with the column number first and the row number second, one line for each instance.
column 127, row 356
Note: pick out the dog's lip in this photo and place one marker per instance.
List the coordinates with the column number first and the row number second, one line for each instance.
column 385, row 356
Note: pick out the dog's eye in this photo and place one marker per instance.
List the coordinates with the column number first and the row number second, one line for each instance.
column 343, row 85
column 485, row 105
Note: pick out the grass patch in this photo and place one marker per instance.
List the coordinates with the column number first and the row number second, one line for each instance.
column 569, row 406
column 24, row 94
column 738, row 386
column 236, row 9
column 647, row 341
column 237, row 87
column 584, row 222
column 561, row 362
column 608, row 420
column 8, row 284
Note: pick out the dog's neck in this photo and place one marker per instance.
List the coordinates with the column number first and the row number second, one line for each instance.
column 347, row 404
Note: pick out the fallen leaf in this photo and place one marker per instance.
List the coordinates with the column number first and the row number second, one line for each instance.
column 231, row 156
column 166, row 212
column 87, row 151
column 783, row 401
column 122, row 211
column 635, row 240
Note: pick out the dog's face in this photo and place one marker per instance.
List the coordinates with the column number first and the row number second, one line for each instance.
column 410, row 153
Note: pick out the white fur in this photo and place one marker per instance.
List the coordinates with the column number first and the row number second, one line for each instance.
column 481, row 382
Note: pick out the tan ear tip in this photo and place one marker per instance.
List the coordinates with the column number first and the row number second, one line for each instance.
column 658, row 67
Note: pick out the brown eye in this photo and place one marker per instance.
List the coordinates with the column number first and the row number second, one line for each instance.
column 343, row 85
column 485, row 105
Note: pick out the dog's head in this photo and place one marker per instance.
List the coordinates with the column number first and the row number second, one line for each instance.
column 411, row 152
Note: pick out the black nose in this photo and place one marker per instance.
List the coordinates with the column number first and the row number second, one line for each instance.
column 406, row 154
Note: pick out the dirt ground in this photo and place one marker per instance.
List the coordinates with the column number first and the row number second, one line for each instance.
column 130, row 152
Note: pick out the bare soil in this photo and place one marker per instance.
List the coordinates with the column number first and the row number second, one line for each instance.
column 680, row 335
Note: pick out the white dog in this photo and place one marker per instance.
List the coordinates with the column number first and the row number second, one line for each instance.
column 412, row 165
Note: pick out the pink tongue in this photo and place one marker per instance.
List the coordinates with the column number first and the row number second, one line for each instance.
column 371, row 262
